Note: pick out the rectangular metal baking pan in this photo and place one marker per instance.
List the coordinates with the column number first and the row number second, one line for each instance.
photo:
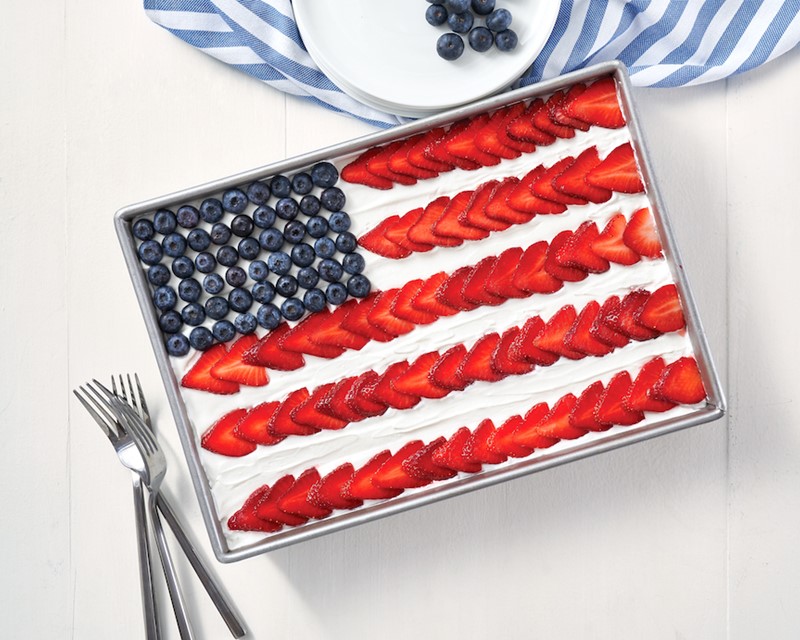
column 714, row 408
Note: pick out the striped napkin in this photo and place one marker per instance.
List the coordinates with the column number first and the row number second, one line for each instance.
column 664, row 43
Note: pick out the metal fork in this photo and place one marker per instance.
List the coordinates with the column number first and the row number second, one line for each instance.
column 135, row 398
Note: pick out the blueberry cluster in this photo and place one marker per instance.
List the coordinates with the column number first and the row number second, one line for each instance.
column 460, row 16
column 258, row 254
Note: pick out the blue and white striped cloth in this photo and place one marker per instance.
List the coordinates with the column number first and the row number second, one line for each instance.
column 664, row 43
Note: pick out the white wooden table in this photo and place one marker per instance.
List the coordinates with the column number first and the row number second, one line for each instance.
column 688, row 536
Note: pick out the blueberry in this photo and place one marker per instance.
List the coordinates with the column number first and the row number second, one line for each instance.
column 235, row 276
column 213, row 283
column 317, row 227
column 294, row 231
column 258, row 270
column 188, row 217
column 240, row 300
column 263, row 292
column 201, row 338
column 279, row 263
column 190, row 290
column 258, row 192
column 183, row 267
column 165, row 298
column 336, row 293
column 330, row 270
column 482, row 7
column 268, row 316
column 242, row 226
column 353, row 263
column 286, row 285
column 307, row 277
column 358, row 286
column 287, row 208
column 333, row 199
column 264, row 217
column 249, row 248
column 220, row 233
column 177, row 345
column 245, row 323
column 310, row 205
column 499, row 20
column 324, row 174
column 223, row 331
column 339, row 222
column 143, row 229
column 234, row 200
column 227, row 256
column 198, row 239
column 303, row 254
column 150, row 252
column 164, row 221
column 450, row 46
column 480, row 39
column 170, row 322
column 325, row 248
column 211, row 210
column 270, row 239
column 314, row 300
column 457, row 5
column 216, row 307
column 280, row 186
column 205, row 262
column 174, row 245
column 158, row 274
column 292, row 309
column 193, row 314
column 436, row 15
column 461, row 22
column 301, row 183
column 346, row 242
column 506, row 40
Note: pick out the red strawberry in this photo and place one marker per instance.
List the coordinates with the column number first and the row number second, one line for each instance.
column 531, row 275
column 421, row 465
column 523, row 347
column 638, row 398
column 451, row 291
column 422, row 232
column 523, row 199
column 502, row 360
column 295, row 500
column 598, row 105
column 512, row 112
column 553, row 337
column 378, row 164
column 611, row 408
column 231, row 367
column 475, row 213
column 356, row 321
column 477, row 450
column 332, row 402
column 269, row 353
column 399, row 162
column 393, row 475
column 330, row 333
column 603, row 330
column 245, row 519
column 462, row 145
column 529, row 434
column 572, row 180
column 281, row 422
column 384, row 392
column 501, row 280
column 512, row 202
column 583, row 413
column 220, row 437
column 618, row 172
column 662, row 312
column 438, row 150
column 327, row 492
column 543, row 120
column 418, row 157
column 357, row 172
column 504, row 439
column 360, row 486
column 554, row 267
column 489, row 140
column 267, row 508
column 580, row 337
column 558, row 111
column 641, row 235
column 402, row 307
column 523, row 127
column 476, row 285
column 610, row 245
column 376, row 241
column 416, row 380
column 451, row 454
column 359, row 397
column 543, row 186
column 579, row 251
column 199, row 376
column 626, row 320
column 398, row 232
column 426, row 301
column 254, row 426
column 445, row 372
column 308, row 415
column 478, row 363
column 382, row 317
column 300, row 337
column 680, row 382
column 449, row 224
column 556, row 424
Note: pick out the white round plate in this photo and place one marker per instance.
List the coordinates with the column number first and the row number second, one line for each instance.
column 383, row 52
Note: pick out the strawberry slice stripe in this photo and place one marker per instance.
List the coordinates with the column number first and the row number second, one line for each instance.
column 291, row 502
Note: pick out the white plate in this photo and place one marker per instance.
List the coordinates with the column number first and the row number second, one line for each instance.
column 383, row 52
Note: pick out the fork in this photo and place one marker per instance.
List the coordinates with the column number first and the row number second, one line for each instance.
column 136, row 400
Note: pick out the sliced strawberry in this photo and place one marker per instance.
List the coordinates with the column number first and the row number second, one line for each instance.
column 398, row 232
column 579, row 251
column 476, row 289
column 572, row 180
column 451, row 291
column 423, row 233
column 449, row 224
column 583, row 413
column 553, row 337
column 402, row 307
column 360, row 486
column 307, row 413
column 611, row 408
column 662, row 312
column 626, row 320
column 638, row 398
column 531, row 275
column 513, row 203
column 445, row 372
column 300, row 338
column 332, row 402
column 359, row 397
column 376, row 241
column 384, row 392
column 557, row 423
column 475, row 213
column 281, row 422
column 523, row 127
column 559, row 113
column 438, row 150
column 378, row 164
column 330, row 333
column 419, row 158
column 269, row 353
column 254, row 425
column 416, row 380
column 503, row 441
column 501, row 280
column 399, row 162
column 543, row 120
column 382, row 317
column 392, row 473
column 523, row 199
column 451, row 454
column 356, row 321
column 357, row 172
column 232, row 368
column 199, row 376
column 512, row 112
column 641, row 235
column 245, row 519
column 427, row 300
column 543, row 186
column 488, row 139
column 610, row 245
column 463, row 144
column 267, row 508
column 477, row 449
column 326, row 493
column 554, row 267
column 421, row 465
column 580, row 337
column 503, row 362
column 221, row 438
column 295, row 500
column 598, row 105
column 680, row 382
column 618, row 172
column 523, row 347
column 529, row 433
column 478, row 363
column 603, row 330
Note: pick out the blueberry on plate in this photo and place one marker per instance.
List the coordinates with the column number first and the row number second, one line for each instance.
column 458, row 6
column 358, row 286
column 310, row 205
column 174, row 244
column 235, row 276
column 264, row 217
column 301, row 183
column 198, row 239
column 220, row 233
column 461, row 22
column 223, row 330
column 216, row 307
column 245, row 323
column 336, row 293
column 242, row 226
column 307, row 277
column 325, row 248
column 258, row 270
column 150, row 252
column 189, row 290
column 294, row 231
column 213, row 283
column 177, row 345
column 143, row 229
column 165, row 298
column 205, row 262
column 286, row 285
column 188, row 217
column 292, row 309
column 333, row 199
column 158, row 274
column 330, row 270
column 234, row 200
column 240, row 300
column 227, row 256
column 450, row 46
column 317, row 227
column 482, row 7
column 211, row 210
column 506, row 40
column 165, row 221
column 436, row 15
column 280, row 186
column 258, row 192
column 249, row 248
column 339, row 222
column 193, row 314
column 263, row 292
column 287, row 208
column 303, row 254
column 183, row 267
column 346, row 242
column 201, row 338
column 480, row 39
column 353, row 263
column 499, row 20
column 324, row 174
column 268, row 316
column 170, row 321
column 279, row 263
column 270, row 239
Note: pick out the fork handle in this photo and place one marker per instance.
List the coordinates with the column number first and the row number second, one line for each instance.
column 152, row 632
column 207, row 579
